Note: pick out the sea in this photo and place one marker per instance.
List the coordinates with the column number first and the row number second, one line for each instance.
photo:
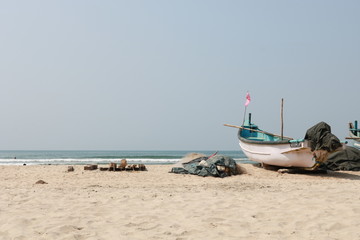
column 22, row 157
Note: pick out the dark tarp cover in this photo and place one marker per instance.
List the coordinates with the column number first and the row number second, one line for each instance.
column 346, row 160
column 205, row 166
column 320, row 137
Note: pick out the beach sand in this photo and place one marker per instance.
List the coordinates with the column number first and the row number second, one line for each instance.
column 156, row 204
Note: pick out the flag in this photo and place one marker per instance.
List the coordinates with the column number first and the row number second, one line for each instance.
column 213, row 154
column 247, row 99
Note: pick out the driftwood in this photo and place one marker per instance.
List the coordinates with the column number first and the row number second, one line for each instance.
column 41, row 182
column 91, row 167
column 275, row 135
column 357, row 138
column 112, row 167
column 123, row 164
column 135, row 167
column 130, row 167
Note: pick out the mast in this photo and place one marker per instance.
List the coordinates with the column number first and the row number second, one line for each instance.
column 282, row 118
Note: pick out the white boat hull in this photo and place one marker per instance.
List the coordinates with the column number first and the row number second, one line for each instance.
column 284, row 154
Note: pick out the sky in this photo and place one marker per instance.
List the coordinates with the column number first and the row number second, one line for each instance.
column 166, row 75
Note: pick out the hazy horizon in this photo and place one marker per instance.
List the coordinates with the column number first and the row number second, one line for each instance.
column 166, row 75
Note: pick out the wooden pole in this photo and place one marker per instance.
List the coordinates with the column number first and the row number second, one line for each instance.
column 275, row 135
column 282, row 118
column 244, row 116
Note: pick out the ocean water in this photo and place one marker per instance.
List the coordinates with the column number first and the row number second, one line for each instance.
column 103, row 157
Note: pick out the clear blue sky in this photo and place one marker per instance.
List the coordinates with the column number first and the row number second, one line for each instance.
column 166, row 75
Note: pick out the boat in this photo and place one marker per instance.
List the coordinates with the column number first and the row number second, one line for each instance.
column 271, row 149
column 354, row 134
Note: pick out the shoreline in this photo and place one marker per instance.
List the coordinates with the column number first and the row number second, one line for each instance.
column 156, row 204
column 79, row 157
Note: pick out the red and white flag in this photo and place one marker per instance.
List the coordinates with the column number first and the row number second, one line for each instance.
column 247, row 99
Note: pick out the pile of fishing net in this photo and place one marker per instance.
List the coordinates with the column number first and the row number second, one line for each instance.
column 337, row 158
column 345, row 160
column 201, row 165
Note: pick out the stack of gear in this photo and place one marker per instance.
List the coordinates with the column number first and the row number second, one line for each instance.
column 216, row 166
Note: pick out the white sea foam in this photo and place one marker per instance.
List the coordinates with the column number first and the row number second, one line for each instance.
column 68, row 161
column 76, row 161
column 100, row 157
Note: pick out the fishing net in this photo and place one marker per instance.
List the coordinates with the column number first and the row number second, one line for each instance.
column 216, row 166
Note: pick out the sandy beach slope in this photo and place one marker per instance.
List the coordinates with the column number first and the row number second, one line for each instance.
column 156, row 204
